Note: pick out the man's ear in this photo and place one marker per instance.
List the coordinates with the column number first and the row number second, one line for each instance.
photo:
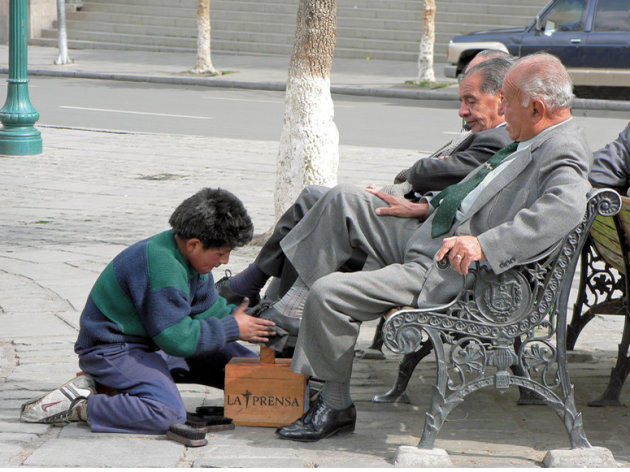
column 539, row 110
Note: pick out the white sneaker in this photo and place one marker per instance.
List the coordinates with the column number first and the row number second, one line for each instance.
column 67, row 403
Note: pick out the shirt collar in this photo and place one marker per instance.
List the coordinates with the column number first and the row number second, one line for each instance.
column 524, row 144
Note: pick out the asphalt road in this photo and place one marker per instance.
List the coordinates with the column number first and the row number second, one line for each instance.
column 257, row 115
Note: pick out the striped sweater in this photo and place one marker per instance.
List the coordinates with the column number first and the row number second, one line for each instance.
column 148, row 294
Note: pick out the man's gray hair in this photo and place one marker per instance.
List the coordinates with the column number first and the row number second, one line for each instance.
column 492, row 73
column 542, row 76
column 490, row 53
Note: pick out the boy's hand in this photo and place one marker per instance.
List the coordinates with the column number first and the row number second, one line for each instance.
column 251, row 329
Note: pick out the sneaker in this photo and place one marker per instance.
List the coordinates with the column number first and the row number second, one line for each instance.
column 67, row 403
column 224, row 289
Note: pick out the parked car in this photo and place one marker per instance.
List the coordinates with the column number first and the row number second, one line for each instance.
column 591, row 38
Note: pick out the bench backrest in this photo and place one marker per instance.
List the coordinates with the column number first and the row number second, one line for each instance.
column 611, row 237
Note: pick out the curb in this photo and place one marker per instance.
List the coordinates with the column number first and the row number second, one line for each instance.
column 414, row 94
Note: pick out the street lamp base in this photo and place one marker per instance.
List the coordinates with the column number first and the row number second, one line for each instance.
column 20, row 141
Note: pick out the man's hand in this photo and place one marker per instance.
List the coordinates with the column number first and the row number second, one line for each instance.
column 443, row 157
column 400, row 207
column 462, row 251
column 250, row 328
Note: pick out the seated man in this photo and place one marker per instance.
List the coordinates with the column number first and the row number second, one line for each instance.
column 480, row 99
column 523, row 200
column 611, row 164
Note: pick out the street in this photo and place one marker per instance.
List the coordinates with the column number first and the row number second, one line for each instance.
column 254, row 114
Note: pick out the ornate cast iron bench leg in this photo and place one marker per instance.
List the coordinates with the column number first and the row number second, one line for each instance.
column 405, row 371
column 619, row 373
column 579, row 319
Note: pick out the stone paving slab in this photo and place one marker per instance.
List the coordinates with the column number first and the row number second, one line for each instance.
column 7, row 452
column 107, row 452
column 39, row 326
column 16, row 426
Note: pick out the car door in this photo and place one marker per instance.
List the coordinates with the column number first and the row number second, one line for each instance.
column 608, row 41
column 561, row 33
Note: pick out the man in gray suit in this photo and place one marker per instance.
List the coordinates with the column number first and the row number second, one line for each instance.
column 524, row 199
column 480, row 100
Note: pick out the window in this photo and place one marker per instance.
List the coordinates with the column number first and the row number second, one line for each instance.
column 612, row 15
column 566, row 15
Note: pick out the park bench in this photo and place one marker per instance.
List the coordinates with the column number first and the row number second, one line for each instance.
column 501, row 331
column 604, row 290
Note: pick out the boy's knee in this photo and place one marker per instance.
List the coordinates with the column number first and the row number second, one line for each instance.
column 165, row 416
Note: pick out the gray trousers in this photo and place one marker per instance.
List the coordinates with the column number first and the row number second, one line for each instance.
column 342, row 221
column 271, row 260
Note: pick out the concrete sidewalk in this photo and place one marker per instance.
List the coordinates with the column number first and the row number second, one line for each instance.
column 67, row 212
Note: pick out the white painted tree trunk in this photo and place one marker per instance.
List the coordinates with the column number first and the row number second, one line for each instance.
column 427, row 43
column 204, row 59
column 62, row 40
column 309, row 142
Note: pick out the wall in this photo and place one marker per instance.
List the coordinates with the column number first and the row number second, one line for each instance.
column 4, row 21
column 42, row 14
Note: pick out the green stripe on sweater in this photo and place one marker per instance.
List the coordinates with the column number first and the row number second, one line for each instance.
column 181, row 339
column 115, row 304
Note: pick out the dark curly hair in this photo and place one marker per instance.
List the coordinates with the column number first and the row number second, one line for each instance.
column 214, row 216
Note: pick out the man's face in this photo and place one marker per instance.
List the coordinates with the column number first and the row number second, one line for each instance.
column 479, row 109
column 519, row 124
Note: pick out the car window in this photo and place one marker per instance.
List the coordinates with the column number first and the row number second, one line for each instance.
column 566, row 15
column 612, row 15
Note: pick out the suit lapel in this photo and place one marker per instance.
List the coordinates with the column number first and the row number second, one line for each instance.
column 518, row 163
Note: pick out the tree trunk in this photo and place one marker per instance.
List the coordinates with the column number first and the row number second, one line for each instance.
column 427, row 43
column 62, row 39
column 309, row 142
column 204, row 60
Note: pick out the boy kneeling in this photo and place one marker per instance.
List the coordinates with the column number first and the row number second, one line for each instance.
column 153, row 303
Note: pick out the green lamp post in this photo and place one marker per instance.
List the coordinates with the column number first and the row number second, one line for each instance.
column 18, row 136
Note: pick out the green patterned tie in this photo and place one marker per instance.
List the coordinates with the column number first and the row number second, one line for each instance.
column 448, row 200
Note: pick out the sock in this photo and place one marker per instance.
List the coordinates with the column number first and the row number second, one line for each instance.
column 292, row 303
column 249, row 282
column 337, row 395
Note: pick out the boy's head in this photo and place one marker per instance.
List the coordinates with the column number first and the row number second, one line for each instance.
column 214, row 216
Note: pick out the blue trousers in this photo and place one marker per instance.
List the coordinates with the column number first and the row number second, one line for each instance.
column 147, row 399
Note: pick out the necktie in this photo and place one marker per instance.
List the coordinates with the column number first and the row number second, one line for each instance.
column 449, row 199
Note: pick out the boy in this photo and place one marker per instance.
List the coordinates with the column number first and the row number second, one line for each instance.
column 154, row 302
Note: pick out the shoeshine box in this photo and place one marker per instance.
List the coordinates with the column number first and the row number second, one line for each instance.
column 264, row 391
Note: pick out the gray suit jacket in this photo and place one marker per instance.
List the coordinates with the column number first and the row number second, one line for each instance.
column 611, row 164
column 437, row 174
column 530, row 206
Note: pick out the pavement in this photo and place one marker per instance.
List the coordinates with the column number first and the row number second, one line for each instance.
column 66, row 212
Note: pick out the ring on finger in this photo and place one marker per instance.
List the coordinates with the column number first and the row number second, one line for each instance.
column 458, row 256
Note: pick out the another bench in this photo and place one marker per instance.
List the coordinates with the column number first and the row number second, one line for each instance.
column 604, row 290
column 503, row 322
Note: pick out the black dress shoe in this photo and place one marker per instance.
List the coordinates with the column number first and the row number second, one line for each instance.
column 266, row 311
column 225, row 291
column 319, row 422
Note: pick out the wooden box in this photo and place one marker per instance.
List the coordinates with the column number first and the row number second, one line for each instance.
column 264, row 392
